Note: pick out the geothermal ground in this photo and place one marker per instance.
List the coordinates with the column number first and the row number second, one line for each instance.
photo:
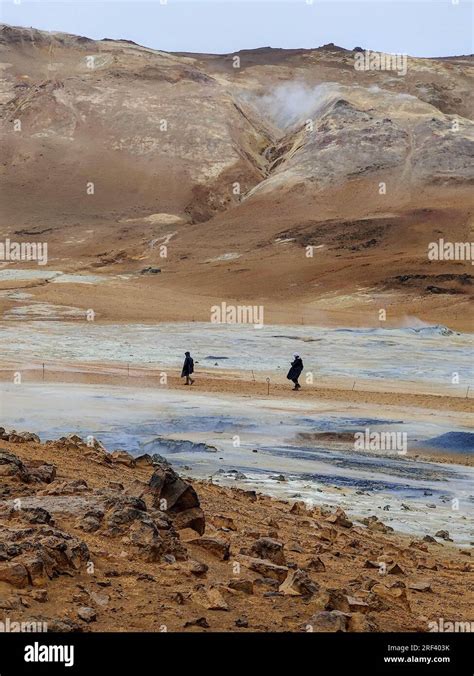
column 241, row 423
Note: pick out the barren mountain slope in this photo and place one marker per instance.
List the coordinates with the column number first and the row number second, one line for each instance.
column 243, row 167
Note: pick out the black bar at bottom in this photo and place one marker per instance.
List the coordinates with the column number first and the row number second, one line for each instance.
column 94, row 653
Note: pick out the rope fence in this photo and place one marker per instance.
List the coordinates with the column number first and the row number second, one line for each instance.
column 324, row 382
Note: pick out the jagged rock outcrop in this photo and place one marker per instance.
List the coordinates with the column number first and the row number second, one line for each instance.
column 30, row 556
column 169, row 493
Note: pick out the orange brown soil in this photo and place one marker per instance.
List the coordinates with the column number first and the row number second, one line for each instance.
column 128, row 594
column 244, row 127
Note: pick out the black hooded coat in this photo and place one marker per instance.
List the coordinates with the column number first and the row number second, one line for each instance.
column 188, row 367
column 296, row 368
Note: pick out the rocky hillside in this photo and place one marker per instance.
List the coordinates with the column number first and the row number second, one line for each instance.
column 92, row 541
column 255, row 162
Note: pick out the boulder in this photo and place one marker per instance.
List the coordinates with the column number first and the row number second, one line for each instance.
column 242, row 585
column 374, row 524
column 359, row 623
column 190, row 518
column 87, row 614
column 100, row 599
column 171, row 494
column 15, row 574
column 338, row 600
column 242, row 622
column 267, row 548
column 395, row 570
column 299, row 508
column 23, row 437
column 357, row 605
column 73, row 439
column 39, row 595
column 329, row 621
column 63, row 625
column 123, row 511
column 160, row 460
column 298, row 583
column 10, row 465
column 391, row 595
column 127, row 516
column 40, row 550
column 36, row 515
column 123, row 458
column 198, row 622
column 197, row 567
column 372, row 564
column 218, row 548
column 316, row 565
column 91, row 521
column 40, row 472
column 415, row 544
column 210, row 598
column 427, row 564
column 144, row 460
column 77, row 486
column 340, row 519
column 421, row 586
column 268, row 569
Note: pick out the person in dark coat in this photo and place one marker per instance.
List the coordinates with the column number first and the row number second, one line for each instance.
column 295, row 371
column 188, row 368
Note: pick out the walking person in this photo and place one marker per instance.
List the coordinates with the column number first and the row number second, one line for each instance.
column 295, row 371
column 188, row 368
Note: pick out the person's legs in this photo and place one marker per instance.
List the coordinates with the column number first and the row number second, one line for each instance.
column 187, row 380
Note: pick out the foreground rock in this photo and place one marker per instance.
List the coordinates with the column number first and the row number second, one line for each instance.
column 31, row 555
column 298, row 583
column 169, row 493
column 267, row 548
column 328, row 621
column 93, row 544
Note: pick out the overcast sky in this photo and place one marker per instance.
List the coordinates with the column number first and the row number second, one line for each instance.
column 420, row 28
